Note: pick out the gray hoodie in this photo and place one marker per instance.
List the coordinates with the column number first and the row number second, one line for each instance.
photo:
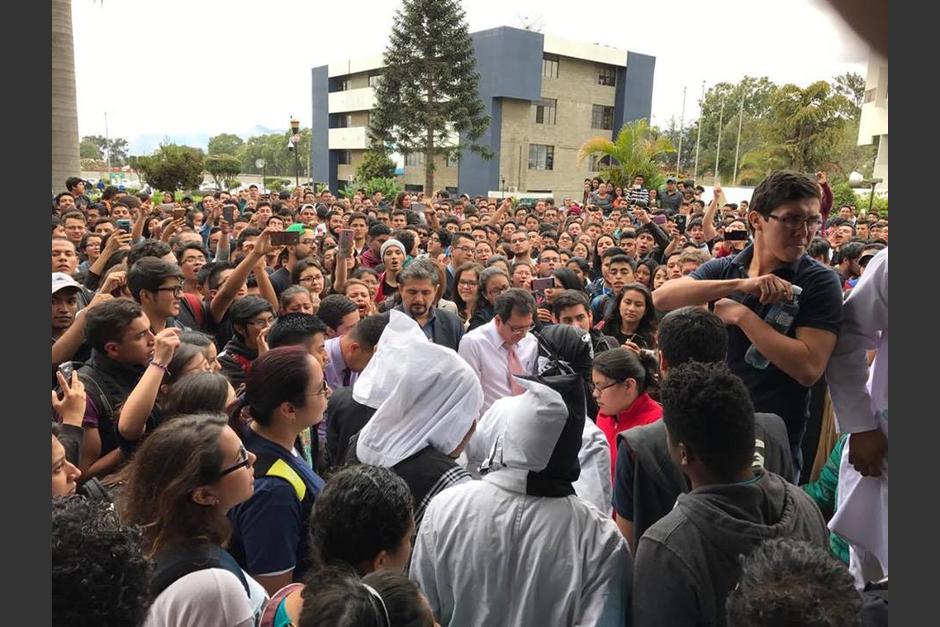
column 688, row 562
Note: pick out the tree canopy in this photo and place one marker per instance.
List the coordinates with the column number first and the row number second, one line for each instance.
column 172, row 167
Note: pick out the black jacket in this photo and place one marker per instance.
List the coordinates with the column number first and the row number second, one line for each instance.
column 482, row 315
column 447, row 328
column 108, row 384
column 344, row 418
column 235, row 360
column 688, row 562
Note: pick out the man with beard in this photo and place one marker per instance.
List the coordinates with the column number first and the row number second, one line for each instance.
column 306, row 247
column 418, row 285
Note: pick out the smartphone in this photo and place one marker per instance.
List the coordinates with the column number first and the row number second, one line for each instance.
column 66, row 368
column 228, row 214
column 680, row 222
column 345, row 242
column 735, row 236
column 124, row 225
column 540, row 285
column 659, row 219
column 179, row 213
column 285, row 238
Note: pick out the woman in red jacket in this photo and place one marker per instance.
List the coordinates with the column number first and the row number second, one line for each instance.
column 622, row 382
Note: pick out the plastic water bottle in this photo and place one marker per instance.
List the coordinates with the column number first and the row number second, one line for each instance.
column 780, row 317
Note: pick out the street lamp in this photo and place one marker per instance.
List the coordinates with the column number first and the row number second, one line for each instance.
column 857, row 180
column 260, row 163
column 294, row 141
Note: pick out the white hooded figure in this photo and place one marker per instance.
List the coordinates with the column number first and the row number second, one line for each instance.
column 519, row 547
column 427, row 400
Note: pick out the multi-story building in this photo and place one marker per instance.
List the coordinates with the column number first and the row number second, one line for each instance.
column 873, row 126
column 545, row 96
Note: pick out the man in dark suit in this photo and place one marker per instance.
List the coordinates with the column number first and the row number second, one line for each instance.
column 418, row 285
column 344, row 417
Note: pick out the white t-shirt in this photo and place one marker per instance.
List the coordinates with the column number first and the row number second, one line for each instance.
column 212, row 597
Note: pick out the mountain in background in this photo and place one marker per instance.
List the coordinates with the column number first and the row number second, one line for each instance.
column 146, row 144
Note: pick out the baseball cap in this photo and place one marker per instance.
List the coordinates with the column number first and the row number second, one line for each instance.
column 671, row 179
column 61, row 281
column 296, row 227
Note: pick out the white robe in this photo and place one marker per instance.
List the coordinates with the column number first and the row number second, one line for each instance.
column 488, row 553
column 862, row 502
column 489, row 556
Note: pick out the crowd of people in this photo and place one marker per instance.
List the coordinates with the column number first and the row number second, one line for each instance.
column 644, row 408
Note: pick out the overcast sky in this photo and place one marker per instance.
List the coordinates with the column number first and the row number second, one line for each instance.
column 208, row 66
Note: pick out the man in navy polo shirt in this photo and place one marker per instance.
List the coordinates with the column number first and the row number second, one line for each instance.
column 784, row 215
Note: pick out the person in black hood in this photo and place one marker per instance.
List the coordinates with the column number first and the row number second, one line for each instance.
column 688, row 562
column 252, row 317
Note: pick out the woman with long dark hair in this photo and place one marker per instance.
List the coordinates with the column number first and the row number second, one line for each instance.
column 623, row 384
column 285, row 393
column 494, row 280
column 632, row 318
column 183, row 480
column 467, row 294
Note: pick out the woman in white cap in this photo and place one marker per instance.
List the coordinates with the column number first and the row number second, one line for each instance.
column 393, row 255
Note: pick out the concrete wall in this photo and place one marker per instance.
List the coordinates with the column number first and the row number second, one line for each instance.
column 323, row 167
column 509, row 61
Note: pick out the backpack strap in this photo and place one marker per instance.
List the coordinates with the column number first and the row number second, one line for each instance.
column 282, row 470
column 195, row 307
column 270, row 610
column 179, row 561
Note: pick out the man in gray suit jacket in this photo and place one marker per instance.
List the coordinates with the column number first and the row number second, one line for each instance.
column 418, row 284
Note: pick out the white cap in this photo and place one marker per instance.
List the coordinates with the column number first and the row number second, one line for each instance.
column 61, row 280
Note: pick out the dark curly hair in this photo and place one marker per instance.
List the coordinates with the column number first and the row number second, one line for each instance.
column 362, row 511
column 791, row 582
column 100, row 575
column 708, row 409
column 691, row 333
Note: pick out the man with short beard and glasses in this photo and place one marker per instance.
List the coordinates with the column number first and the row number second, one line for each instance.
column 418, row 285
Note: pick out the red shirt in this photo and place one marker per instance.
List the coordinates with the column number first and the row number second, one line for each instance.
column 643, row 411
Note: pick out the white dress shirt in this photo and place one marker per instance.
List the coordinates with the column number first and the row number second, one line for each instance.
column 483, row 349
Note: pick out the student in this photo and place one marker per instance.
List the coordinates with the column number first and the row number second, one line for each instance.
column 688, row 561
column 183, row 480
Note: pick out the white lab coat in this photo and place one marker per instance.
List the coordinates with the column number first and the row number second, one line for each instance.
column 860, row 402
column 489, row 553
column 488, row 556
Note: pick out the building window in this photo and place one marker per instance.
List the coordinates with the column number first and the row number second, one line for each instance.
column 596, row 163
column 410, row 187
column 602, row 117
column 541, row 157
column 414, row 159
column 545, row 111
column 374, row 80
column 607, row 75
column 550, row 66
column 344, row 157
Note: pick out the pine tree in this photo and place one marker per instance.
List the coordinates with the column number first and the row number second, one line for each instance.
column 428, row 88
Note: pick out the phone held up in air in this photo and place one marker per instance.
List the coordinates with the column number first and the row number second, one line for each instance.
column 124, row 225
column 735, row 236
column 680, row 223
column 67, row 368
column 228, row 214
column 285, row 238
column 345, row 242
column 540, row 285
column 179, row 213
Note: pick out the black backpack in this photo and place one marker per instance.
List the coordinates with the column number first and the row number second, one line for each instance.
column 177, row 562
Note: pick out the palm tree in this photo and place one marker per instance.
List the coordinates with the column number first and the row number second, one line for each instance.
column 65, row 161
column 632, row 153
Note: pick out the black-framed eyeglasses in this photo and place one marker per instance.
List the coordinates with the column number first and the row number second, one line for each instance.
column 322, row 390
column 795, row 223
column 242, row 462
column 177, row 290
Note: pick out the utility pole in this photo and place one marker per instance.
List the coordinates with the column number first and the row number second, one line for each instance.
column 721, row 115
column 734, row 175
column 701, row 104
column 107, row 145
column 681, row 128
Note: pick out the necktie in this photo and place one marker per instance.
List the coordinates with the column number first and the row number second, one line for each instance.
column 515, row 368
column 346, row 377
